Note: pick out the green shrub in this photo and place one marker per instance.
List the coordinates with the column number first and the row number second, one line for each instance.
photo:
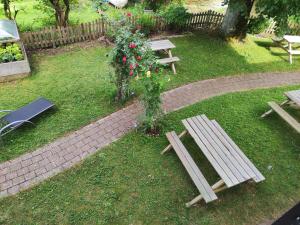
column 258, row 25
column 10, row 53
column 146, row 23
column 176, row 16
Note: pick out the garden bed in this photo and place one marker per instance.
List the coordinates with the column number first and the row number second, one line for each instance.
column 16, row 69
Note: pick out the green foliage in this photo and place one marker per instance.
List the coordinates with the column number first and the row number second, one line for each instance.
column 59, row 9
column 155, row 4
column 101, row 5
column 281, row 11
column 258, row 24
column 10, row 9
column 152, row 88
column 10, row 53
column 128, row 58
column 133, row 58
column 146, row 23
column 176, row 15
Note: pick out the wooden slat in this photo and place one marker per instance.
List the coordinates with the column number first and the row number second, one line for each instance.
column 211, row 156
column 168, row 60
column 218, row 149
column 284, row 115
column 244, row 168
column 258, row 176
column 191, row 167
column 237, row 169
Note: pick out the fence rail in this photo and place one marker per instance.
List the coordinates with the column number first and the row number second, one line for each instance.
column 52, row 37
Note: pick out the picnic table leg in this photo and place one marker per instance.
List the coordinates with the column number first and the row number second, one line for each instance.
column 217, row 187
column 271, row 110
column 290, row 53
column 169, row 147
column 172, row 64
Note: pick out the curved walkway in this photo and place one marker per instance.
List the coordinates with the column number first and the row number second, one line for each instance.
column 31, row 168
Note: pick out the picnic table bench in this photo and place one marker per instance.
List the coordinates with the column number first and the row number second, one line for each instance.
column 293, row 97
column 231, row 164
column 166, row 46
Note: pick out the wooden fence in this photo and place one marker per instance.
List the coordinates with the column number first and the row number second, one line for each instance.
column 52, row 37
column 209, row 20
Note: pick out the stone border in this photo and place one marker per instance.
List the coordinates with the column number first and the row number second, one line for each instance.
column 15, row 70
column 32, row 168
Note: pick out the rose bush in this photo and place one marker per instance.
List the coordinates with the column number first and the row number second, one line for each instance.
column 133, row 58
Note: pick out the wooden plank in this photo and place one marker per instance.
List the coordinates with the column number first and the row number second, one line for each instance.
column 168, row 60
column 284, row 115
column 258, row 176
column 219, row 149
column 169, row 147
column 161, row 45
column 191, row 167
column 238, row 159
column 237, row 169
column 211, row 156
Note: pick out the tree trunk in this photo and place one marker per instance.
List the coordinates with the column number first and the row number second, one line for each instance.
column 236, row 18
column 6, row 8
column 61, row 12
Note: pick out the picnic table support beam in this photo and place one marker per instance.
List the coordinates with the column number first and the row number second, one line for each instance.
column 172, row 64
column 271, row 110
column 217, row 187
column 169, row 147
column 290, row 53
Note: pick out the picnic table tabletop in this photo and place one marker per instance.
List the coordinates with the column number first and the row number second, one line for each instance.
column 225, row 156
column 294, row 96
column 161, row 45
column 292, row 38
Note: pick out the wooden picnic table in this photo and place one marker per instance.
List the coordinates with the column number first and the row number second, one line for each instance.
column 166, row 46
column 292, row 39
column 228, row 160
column 293, row 98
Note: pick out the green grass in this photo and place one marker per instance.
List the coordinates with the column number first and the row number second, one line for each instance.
column 131, row 183
column 32, row 18
column 78, row 83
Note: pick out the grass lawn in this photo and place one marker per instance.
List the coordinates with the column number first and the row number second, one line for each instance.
column 78, row 83
column 32, row 18
column 131, row 183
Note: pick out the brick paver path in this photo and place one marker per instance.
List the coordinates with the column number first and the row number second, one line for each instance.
column 31, row 168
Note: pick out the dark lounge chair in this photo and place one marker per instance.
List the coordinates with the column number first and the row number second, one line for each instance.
column 17, row 118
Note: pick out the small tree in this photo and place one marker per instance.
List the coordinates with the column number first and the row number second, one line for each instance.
column 59, row 8
column 10, row 10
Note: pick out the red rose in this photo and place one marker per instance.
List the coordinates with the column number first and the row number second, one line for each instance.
column 132, row 45
column 136, row 65
column 131, row 67
column 124, row 59
column 131, row 73
column 139, row 58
